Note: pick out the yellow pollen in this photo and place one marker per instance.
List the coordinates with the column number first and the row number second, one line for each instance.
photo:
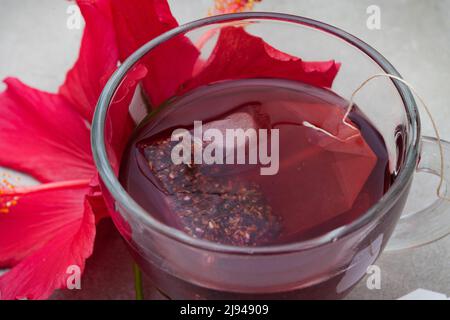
column 6, row 199
column 232, row 6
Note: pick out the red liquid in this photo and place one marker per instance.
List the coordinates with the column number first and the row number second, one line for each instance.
column 316, row 189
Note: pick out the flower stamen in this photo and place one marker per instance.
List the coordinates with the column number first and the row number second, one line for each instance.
column 7, row 197
column 232, row 6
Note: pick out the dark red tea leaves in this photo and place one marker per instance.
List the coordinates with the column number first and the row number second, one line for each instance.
column 240, row 55
column 219, row 210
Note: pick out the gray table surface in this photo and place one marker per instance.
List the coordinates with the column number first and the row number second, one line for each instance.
column 36, row 46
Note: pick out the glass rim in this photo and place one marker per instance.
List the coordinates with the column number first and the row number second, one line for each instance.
column 119, row 194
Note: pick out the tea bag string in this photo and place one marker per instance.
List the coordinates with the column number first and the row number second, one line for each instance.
column 427, row 109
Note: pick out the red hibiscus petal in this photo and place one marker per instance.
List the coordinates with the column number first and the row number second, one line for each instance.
column 119, row 124
column 170, row 64
column 41, row 134
column 37, row 215
column 168, row 69
column 138, row 21
column 51, row 228
column 239, row 55
column 97, row 60
column 96, row 200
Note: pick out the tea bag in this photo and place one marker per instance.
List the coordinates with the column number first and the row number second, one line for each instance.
column 328, row 165
column 324, row 165
column 207, row 201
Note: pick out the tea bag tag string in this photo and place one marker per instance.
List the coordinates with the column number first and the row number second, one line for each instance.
column 430, row 116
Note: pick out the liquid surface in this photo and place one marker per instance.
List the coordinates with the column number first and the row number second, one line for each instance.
column 330, row 173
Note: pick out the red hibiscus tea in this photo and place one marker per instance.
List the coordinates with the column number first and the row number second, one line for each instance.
column 250, row 165
column 328, row 171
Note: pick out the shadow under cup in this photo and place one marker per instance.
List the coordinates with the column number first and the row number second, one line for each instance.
column 322, row 268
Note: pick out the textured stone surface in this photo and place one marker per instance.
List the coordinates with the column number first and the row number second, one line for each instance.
column 36, row 46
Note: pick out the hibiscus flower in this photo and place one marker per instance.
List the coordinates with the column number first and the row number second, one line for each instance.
column 48, row 228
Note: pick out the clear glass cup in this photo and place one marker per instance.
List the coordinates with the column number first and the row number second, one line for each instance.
column 326, row 267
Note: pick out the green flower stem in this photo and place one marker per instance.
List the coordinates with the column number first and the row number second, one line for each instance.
column 139, row 292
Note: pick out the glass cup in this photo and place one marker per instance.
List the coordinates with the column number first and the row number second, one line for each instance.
column 326, row 267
